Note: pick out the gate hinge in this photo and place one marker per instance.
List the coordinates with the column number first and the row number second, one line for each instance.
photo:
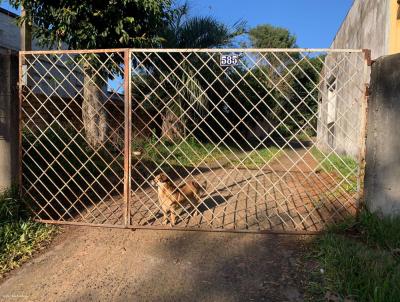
column 367, row 90
column 367, row 56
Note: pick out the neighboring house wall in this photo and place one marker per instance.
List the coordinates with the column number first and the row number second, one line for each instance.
column 366, row 26
column 50, row 85
column 340, row 103
column 46, row 82
column 394, row 29
column 10, row 32
column 370, row 24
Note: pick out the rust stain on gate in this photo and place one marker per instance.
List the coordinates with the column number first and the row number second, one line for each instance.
column 279, row 136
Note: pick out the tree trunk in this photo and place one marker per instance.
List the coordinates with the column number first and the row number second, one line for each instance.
column 94, row 116
column 173, row 129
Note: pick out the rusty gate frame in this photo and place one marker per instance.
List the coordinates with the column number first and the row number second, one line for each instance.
column 127, row 194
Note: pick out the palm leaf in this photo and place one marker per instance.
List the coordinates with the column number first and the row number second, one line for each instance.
column 189, row 97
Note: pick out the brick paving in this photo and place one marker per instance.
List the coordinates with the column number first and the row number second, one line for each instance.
column 289, row 194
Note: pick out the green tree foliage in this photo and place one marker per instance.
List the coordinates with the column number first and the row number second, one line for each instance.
column 86, row 24
column 285, row 80
column 268, row 36
column 269, row 90
column 181, row 98
column 184, row 31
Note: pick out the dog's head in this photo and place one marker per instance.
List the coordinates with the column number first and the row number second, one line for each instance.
column 160, row 179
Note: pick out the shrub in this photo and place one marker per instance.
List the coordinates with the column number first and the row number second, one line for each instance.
column 19, row 235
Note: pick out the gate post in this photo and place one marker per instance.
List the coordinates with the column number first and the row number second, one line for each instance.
column 382, row 190
column 8, row 119
column 363, row 131
column 127, row 136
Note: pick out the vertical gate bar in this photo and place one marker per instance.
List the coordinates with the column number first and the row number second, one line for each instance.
column 21, row 61
column 128, row 135
column 363, row 130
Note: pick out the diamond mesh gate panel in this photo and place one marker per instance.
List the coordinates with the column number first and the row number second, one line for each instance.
column 220, row 139
column 73, row 136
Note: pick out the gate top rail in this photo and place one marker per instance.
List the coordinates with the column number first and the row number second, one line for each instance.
column 215, row 50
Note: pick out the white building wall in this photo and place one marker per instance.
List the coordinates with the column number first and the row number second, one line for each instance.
column 366, row 26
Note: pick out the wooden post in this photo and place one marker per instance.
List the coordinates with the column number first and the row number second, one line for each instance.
column 25, row 44
column 26, row 33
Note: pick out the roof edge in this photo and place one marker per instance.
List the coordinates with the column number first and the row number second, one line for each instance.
column 8, row 13
column 344, row 20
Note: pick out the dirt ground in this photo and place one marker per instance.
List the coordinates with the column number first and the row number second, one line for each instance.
column 102, row 264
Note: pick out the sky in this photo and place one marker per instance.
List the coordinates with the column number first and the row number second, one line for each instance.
column 314, row 22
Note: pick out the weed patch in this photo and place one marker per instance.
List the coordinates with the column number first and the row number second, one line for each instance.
column 358, row 260
column 345, row 167
column 19, row 235
column 191, row 152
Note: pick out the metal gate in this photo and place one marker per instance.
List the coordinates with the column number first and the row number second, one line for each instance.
column 212, row 139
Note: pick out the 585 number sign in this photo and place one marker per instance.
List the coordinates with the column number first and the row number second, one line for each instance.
column 229, row 60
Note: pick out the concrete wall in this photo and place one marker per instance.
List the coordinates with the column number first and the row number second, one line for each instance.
column 8, row 118
column 342, row 92
column 366, row 26
column 382, row 189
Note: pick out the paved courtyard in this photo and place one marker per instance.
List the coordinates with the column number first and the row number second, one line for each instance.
column 281, row 197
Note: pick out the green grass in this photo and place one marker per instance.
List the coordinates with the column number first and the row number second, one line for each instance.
column 256, row 158
column 358, row 260
column 334, row 163
column 191, row 152
column 186, row 152
column 343, row 166
column 19, row 235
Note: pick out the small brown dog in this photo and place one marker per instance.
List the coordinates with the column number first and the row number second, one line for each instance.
column 173, row 198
